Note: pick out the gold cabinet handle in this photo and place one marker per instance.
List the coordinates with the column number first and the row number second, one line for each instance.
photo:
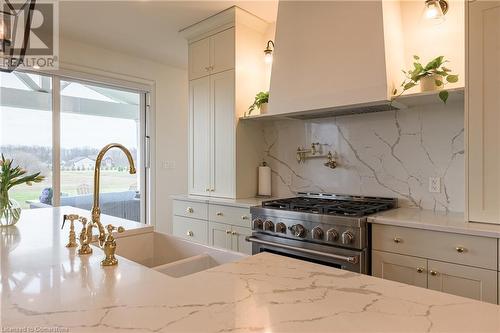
column 398, row 240
column 219, row 214
column 433, row 273
column 420, row 270
column 244, row 217
column 460, row 249
column 189, row 233
column 228, row 232
column 207, row 190
column 234, row 233
column 207, row 68
column 189, row 210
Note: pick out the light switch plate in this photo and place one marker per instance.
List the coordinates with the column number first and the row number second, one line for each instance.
column 169, row 165
column 435, row 184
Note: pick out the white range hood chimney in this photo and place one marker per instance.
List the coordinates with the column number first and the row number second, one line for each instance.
column 332, row 57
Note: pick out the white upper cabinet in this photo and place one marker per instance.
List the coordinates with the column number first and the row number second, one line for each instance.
column 222, row 51
column 199, row 59
column 211, row 55
column 483, row 112
column 223, row 153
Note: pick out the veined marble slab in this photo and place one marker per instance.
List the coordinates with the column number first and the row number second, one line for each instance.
column 390, row 154
column 46, row 285
column 437, row 221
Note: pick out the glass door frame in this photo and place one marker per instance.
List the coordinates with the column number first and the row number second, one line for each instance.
column 144, row 151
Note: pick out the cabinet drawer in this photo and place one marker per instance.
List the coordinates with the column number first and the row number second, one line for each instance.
column 461, row 249
column 197, row 210
column 191, row 229
column 230, row 215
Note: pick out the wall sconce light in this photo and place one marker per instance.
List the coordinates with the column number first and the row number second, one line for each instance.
column 11, row 56
column 268, row 52
column 435, row 10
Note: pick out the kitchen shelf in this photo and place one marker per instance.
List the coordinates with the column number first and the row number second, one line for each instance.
column 404, row 102
column 428, row 97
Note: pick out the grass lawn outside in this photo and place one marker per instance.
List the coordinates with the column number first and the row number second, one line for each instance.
column 111, row 181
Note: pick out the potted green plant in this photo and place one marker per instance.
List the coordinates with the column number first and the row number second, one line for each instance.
column 11, row 176
column 260, row 102
column 433, row 76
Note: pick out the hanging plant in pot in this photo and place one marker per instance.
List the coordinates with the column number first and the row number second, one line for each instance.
column 432, row 76
column 10, row 176
column 260, row 102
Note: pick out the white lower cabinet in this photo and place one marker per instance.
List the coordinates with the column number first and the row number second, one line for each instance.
column 219, row 235
column 455, row 264
column 238, row 240
column 191, row 229
column 229, row 237
column 400, row 268
column 471, row 282
column 214, row 224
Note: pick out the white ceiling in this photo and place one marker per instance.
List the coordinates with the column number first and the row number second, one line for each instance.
column 147, row 29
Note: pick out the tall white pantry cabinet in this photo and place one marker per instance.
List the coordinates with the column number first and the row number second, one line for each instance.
column 483, row 111
column 226, row 70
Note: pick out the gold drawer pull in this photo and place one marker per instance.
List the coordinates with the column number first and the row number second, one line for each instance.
column 189, row 233
column 420, row 270
column 228, row 232
column 460, row 249
column 219, row 214
column 234, row 233
column 433, row 273
column 189, row 210
column 244, row 217
column 398, row 240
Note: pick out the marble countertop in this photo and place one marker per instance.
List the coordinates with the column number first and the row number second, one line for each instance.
column 242, row 203
column 433, row 220
column 45, row 285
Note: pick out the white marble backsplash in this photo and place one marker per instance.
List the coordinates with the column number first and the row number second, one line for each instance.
column 389, row 154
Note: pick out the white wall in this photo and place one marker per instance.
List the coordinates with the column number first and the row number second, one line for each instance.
column 170, row 118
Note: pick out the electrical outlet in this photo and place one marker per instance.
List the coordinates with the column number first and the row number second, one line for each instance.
column 288, row 180
column 169, row 165
column 434, row 184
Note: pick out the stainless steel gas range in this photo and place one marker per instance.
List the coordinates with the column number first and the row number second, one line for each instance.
column 324, row 228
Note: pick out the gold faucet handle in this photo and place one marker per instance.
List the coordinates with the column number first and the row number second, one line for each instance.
column 111, row 228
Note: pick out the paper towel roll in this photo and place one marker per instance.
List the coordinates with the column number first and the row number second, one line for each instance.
column 264, row 180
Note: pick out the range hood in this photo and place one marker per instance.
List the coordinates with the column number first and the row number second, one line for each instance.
column 335, row 58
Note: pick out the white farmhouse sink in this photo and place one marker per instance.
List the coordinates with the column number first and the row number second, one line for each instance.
column 171, row 255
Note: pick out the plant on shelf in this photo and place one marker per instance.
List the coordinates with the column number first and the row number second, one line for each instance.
column 432, row 76
column 11, row 176
column 260, row 102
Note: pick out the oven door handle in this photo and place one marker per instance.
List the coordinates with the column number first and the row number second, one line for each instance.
column 351, row 260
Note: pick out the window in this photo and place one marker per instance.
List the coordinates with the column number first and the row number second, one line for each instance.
column 26, row 129
column 89, row 116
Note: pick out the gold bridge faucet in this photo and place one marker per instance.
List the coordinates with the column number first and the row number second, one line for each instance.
column 105, row 242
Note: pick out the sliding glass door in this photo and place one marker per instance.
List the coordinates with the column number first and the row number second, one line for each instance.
column 62, row 140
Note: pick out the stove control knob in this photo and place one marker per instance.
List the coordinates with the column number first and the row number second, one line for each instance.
column 257, row 224
column 347, row 237
column 281, row 228
column 332, row 235
column 298, row 230
column 268, row 225
column 317, row 233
